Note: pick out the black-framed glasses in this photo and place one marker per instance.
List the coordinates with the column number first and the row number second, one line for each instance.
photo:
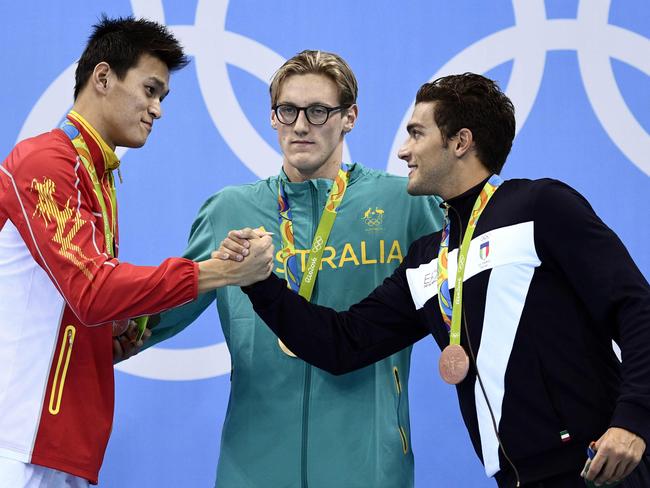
column 316, row 114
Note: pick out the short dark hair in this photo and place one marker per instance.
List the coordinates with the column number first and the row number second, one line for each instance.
column 121, row 41
column 477, row 103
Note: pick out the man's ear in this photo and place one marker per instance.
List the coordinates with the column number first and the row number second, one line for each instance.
column 463, row 142
column 350, row 117
column 101, row 77
column 274, row 122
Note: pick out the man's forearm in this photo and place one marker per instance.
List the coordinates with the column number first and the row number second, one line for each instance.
column 337, row 342
column 210, row 276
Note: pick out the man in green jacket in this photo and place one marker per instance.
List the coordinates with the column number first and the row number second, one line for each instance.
column 289, row 424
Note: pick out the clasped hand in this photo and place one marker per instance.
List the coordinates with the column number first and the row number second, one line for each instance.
column 237, row 245
column 618, row 452
column 223, row 270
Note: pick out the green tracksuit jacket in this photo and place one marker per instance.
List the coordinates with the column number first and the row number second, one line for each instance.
column 290, row 424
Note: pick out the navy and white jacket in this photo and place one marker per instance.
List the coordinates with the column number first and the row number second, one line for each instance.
column 547, row 288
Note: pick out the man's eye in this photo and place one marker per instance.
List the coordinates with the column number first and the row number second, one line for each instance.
column 318, row 110
column 287, row 110
column 149, row 89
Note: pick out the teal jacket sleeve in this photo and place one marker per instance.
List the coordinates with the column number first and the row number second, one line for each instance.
column 202, row 242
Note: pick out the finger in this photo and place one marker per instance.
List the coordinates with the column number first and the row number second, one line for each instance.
column 222, row 255
column 126, row 345
column 243, row 235
column 225, row 255
column 133, row 330
column 261, row 232
column 119, row 327
column 607, row 472
column 235, row 246
column 266, row 242
column 628, row 470
column 596, row 466
column 622, row 470
column 146, row 335
column 118, row 354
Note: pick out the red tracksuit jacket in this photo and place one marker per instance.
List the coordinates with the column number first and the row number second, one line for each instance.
column 59, row 292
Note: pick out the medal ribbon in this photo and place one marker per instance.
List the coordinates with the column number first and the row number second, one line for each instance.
column 111, row 162
column 451, row 313
column 305, row 287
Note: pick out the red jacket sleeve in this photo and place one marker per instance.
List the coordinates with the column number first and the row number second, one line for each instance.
column 49, row 198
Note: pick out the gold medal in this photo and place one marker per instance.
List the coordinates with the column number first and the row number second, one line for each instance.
column 453, row 364
column 285, row 349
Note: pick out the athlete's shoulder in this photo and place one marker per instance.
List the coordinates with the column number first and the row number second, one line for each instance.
column 538, row 189
column 47, row 154
column 365, row 172
column 541, row 198
column 385, row 182
column 418, row 214
column 378, row 182
column 256, row 192
column 539, row 184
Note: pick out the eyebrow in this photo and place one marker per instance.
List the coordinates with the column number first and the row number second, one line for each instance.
column 324, row 104
column 413, row 125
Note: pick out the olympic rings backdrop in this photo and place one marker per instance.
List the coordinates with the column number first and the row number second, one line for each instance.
column 577, row 72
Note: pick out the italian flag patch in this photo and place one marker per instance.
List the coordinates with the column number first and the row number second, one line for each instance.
column 565, row 436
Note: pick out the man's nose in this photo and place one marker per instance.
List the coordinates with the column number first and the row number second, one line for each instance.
column 301, row 125
column 404, row 153
column 155, row 109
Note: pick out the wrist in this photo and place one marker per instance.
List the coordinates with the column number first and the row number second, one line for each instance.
column 211, row 276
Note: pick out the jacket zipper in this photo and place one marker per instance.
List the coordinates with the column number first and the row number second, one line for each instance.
column 402, row 433
column 61, row 370
column 307, row 385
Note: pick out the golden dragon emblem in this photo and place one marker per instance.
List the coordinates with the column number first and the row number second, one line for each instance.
column 49, row 210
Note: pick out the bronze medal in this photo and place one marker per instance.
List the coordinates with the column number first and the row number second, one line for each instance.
column 453, row 364
column 285, row 349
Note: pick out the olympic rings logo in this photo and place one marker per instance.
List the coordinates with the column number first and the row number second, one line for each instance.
column 317, row 245
column 526, row 43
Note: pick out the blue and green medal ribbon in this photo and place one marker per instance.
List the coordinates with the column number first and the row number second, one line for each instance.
column 111, row 161
column 305, row 286
column 452, row 312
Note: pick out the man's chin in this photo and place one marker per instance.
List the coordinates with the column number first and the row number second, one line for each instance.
column 132, row 144
column 413, row 189
column 305, row 166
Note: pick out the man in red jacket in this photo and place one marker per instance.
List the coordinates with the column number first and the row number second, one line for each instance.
column 65, row 295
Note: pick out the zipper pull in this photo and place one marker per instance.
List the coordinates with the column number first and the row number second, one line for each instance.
column 119, row 175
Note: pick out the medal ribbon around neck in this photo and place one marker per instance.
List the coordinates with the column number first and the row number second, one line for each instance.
column 451, row 313
column 87, row 161
column 305, row 287
column 111, row 162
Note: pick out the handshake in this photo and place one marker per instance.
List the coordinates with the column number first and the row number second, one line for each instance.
column 244, row 257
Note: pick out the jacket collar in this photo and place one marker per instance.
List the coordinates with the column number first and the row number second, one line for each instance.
column 356, row 170
column 104, row 158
